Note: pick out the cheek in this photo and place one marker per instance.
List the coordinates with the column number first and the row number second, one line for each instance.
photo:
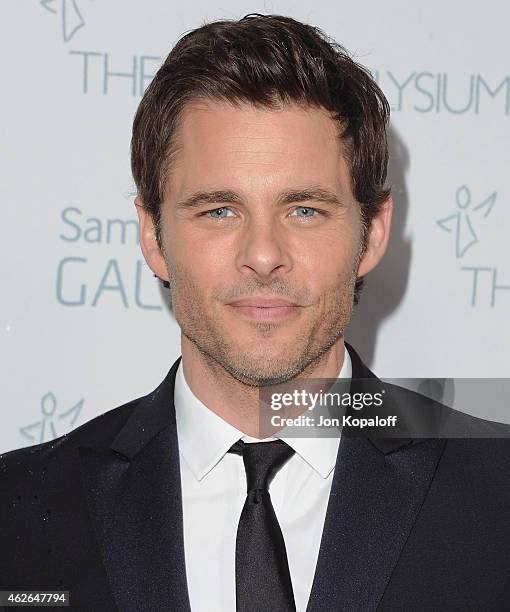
column 197, row 265
column 334, row 280
column 334, row 252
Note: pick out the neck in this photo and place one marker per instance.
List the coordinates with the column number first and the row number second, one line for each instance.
column 234, row 401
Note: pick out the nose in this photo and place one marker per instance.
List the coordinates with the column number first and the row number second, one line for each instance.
column 263, row 248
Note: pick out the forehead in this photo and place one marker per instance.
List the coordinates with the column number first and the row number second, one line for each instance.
column 218, row 142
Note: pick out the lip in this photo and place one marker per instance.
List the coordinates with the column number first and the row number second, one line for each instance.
column 256, row 302
column 264, row 309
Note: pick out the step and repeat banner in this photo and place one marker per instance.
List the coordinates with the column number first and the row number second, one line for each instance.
column 83, row 323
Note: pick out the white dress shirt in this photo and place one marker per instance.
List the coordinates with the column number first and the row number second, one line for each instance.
column 214, row 491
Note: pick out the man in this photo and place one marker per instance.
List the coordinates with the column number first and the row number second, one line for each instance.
column 259, row 153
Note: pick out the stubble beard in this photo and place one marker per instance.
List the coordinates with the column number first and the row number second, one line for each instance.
column 252, row 365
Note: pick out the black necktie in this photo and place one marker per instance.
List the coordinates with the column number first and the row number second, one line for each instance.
column 263, row 581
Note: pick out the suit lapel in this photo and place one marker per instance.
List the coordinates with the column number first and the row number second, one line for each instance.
column 133, row 493
column 379, row 486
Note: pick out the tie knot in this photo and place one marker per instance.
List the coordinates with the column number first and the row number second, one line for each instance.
column 261, row 461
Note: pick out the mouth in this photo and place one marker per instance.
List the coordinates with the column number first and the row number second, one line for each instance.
column 264, row 309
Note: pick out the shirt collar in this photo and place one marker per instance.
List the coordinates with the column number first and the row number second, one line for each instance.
column 204, row 437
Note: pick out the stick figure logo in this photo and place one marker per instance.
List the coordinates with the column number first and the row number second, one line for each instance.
column 51, row 423
column 460, row 224
column 69, row 14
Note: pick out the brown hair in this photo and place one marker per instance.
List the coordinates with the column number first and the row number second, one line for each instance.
column 268, row 60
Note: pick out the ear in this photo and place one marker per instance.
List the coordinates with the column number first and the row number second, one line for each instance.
column 148, row 243
column 377, row 239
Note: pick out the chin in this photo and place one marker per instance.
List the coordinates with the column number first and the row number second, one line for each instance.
column 262, row 371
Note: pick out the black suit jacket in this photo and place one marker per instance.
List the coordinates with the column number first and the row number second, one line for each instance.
column 411, row 525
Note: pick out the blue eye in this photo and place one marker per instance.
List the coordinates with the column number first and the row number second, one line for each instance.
column 217, row 213
column 307, row 209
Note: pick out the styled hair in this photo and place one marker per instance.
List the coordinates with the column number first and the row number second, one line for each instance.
column 268, row 61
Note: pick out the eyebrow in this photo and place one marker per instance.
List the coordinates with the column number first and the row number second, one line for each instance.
column 228, row 196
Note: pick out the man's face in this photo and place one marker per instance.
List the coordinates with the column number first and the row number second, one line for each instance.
column 280, row 223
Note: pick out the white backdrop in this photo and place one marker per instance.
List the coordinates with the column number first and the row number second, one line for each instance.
column 82, row 322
